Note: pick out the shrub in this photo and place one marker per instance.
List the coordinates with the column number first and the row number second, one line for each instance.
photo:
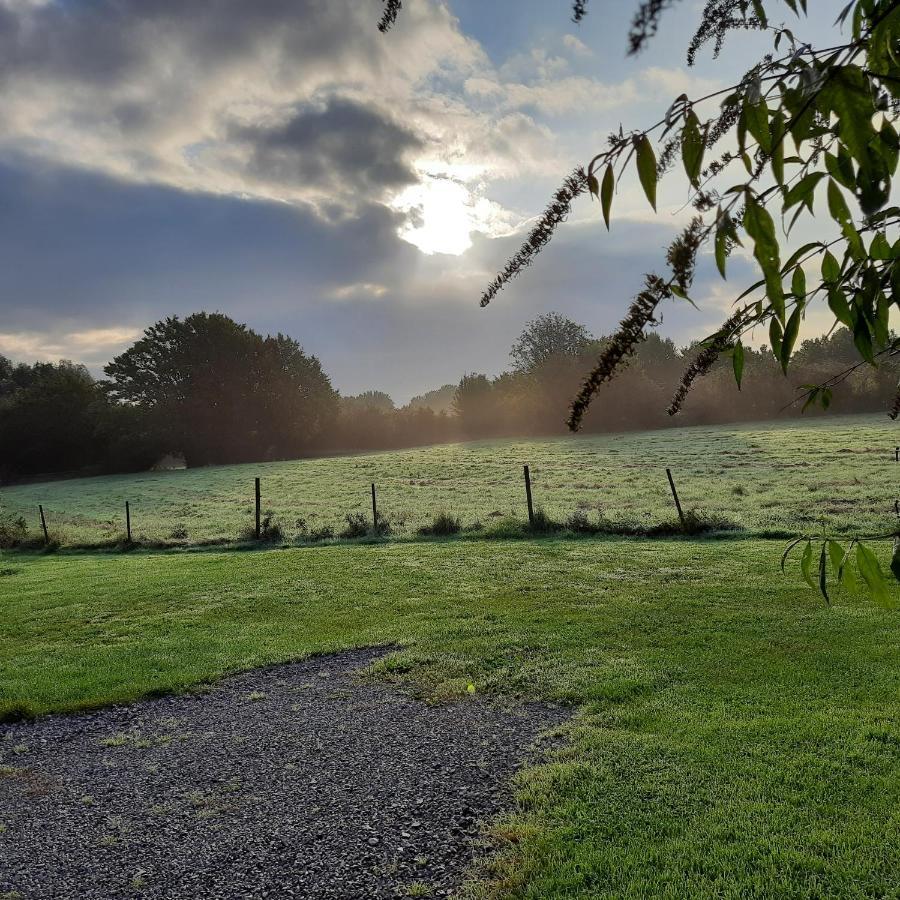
column 542, row 523
column 357, row 526
column 579, row 523
column 13, row 532
column 179, row 533
column 443, row 525
column 270, row 531
column 325, row 533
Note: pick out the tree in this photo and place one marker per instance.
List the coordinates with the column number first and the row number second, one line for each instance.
column 219, row 392
column 52, row 417
column 475, row 406
column 547, row 337
column 803, row 124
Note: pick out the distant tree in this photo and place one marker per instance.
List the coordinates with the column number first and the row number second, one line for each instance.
column 219, row 392
column 440, row 400
column 51, row 418
column 370, row 400
column 475, row 406
column 547, row 337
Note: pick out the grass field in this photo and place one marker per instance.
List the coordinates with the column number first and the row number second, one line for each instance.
column 733, row 736
column 775, row 477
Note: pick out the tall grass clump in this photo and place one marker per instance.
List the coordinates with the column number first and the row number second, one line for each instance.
column 443, row 525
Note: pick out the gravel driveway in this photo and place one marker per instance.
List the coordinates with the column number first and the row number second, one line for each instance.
column 299, row 780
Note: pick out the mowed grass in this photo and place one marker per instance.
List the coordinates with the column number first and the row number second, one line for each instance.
column 732, row 736
column 788, row 477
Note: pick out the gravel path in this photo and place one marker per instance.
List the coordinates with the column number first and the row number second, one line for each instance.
column 299, row 780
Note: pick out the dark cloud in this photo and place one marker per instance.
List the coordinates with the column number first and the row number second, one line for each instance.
column 339, row 147
column 100, row 41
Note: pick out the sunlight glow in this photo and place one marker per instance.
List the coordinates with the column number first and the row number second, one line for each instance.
column 442, row 217
column 444, row 213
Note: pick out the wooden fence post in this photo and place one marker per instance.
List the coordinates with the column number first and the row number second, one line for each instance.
column 258, row 509
column 675, row 496
column 528, row 496
column 44, row 524
column 896, row 454
column 374, row 509
column 128, row 520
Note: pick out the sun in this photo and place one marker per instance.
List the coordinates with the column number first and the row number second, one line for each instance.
column 442, row 216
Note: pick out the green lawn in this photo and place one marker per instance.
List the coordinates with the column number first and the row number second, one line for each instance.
column 733, row 736
column 786, row 477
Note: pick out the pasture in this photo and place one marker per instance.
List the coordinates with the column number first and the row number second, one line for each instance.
column 774, row 478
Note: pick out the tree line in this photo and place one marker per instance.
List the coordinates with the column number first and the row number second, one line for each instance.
column 212, row 391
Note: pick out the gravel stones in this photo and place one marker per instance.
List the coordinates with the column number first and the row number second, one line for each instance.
column 299, row 780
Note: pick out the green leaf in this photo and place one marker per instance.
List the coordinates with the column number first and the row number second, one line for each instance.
column 788, row 549
column 775, row 335
column 837, row 302
column 806, row 564
column 872, row 575
column 757, row 116
column 693, row 147
column 803, row 191
column 791, row 330
column 845, row 574
column 831, row 270
column 759, row 225
column 823, row 573
column 721, row 249
column 862, row 338
column 798, row 284
column 848, row 95
column 777, row 159
column 737, row 361
column 840, row 168
column 646, row 166
column 606, row 193
column 880, row 248
column 837, row 205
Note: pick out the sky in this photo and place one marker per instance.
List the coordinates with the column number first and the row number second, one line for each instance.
column 283, row 162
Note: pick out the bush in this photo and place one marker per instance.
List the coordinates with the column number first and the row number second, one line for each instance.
column 13, row 532
column 443, row 525
column 325, row 533
column 579, row 523
column 178, row 533
column 358, row 527
column 542, row 523
column 270, row 531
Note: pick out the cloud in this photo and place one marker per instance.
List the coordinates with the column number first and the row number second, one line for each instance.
column 341, row 148
column 224, row 96
column 92, row 347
